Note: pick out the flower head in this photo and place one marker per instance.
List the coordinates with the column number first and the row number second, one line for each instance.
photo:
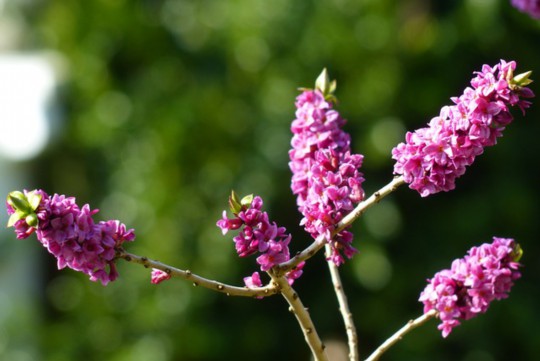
column 325, row 175
column 465, row 290
column 68, row 232
column 257, row 236
column 431, row 158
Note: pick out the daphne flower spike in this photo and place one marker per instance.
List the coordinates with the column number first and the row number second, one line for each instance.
column 69, row 232
column 325, row 175
column 465, row 290
column 432, row 158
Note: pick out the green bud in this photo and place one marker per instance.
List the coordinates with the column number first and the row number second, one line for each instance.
column 24, row 206
column 246, row 201
column 19, row 202
column 521, row 80
column 517, row 253
column 235, row 203
column 32, row 220
column 326, row 86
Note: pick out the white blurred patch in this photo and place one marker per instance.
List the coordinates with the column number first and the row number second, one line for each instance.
column 27, row 85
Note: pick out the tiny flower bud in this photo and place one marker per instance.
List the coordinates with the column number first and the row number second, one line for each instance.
column 326, row 86
column 235, row 203
column 31, row 220
column 521, row 79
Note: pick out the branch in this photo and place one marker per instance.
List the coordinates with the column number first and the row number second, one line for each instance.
column 265, row 291
column 412, row 324
column 367, row 203
column 313, row 248
column 350, row 328
column 302, row 315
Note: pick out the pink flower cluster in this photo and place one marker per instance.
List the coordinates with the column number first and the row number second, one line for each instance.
column 259, row 236
column 531, row 7
column 325, row 177
column 70, row 234
column 433, row 157
column 485, row 274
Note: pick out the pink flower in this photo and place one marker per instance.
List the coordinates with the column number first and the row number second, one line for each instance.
column 257, row 234
column 253, row 281
column 531, row 7
column 70, row 234
column 485, row 274
column 432, row 158
column 325, row 177
column 159, row 276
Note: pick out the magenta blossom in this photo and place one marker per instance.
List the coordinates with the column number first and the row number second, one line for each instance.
column 432, row 158
column 485, row 274
column 531, row 7
column 159, row 276
column 325, row 177
column 69, row 232
column 257, row 236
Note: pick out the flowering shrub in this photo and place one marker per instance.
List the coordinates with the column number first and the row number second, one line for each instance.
column 327, row 183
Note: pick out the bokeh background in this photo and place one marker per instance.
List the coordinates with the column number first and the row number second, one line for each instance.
column 153, row 110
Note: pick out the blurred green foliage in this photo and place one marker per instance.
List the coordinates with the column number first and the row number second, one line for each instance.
column 168, row 105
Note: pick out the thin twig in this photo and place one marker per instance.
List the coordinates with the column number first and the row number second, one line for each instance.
column 302, row 316
column 229, row 290
column 313, row 248
column 367, row 203
column 344, row 309
column 412, row 324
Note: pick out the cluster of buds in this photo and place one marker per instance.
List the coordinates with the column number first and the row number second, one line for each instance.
column 69, row 232
column 257, row 236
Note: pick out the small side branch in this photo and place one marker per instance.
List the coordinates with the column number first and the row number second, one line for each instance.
column 367, row 203
column 229, row 290
column 411, row 325
column 302, row 315
column 344, row 309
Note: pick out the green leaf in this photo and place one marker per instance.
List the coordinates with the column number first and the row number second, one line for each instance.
column 34, row 199
column 326, row 86
column 246, row 201
column 14, row 218
column 517, row 253
column 19, row 202
column 234, row 203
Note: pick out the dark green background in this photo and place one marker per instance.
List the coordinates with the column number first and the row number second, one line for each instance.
column 168, row 105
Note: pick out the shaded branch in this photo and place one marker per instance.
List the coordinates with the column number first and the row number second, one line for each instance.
column 302, row 316
column 344, row 309
column 411, row 325
column 229, row 290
